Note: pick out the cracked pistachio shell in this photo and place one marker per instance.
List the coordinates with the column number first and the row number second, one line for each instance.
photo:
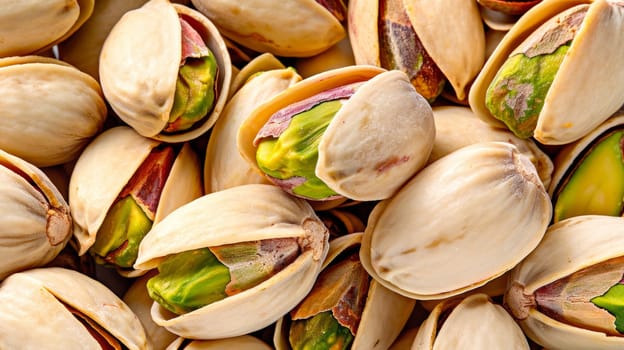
column 239, row 214
column 139, row 65
column 383, row 317
column 481, row 210
column 224, row 167
column 377, row 140
column 34, row 314
column 474, row 322
column 450, row 30
column 30, row 26
column 258, row 25
column 457, row 127
column 139, row 301
column 260, row 63
column 35, row 224
column 68, row 112
column 569, row 246
column 106, row 166
column 243, row 342
column 568, row 114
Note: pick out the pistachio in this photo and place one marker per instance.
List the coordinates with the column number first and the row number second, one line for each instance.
column 517, row 93
column 510, row 7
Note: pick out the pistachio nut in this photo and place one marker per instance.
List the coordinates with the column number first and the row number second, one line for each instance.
column 165, row 71
column 481, row 210
column 121, row 185
column 525, row 84
column 422, row 38
column 364, row 132
column 70, row 109
column 345, row 309
column 246, row 250
column 474, row 322
column 224, row 167
column 242, row 342
column 457, row 127
column 64, row 309
column 567, row 293
column 579, row 186
column 501, row 15
column 338, row 56
column 138, row 300
column 300, row 28
column 35, row 223
column 405, row 339
column 30, row 26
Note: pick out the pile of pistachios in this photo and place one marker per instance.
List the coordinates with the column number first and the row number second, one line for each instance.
column 312, row 174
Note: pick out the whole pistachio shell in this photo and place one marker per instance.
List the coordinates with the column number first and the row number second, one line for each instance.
column 379, row 137
column 443, row 251
column 257, row 24
column 457, row 127
column 30, row 26
column 45, row 296
column 35, row 223
column 567, row 114
column 108, row 164
column 572, row 251
column 242, row 342
column 239, row 214
column 139, row 65
column 68, row 112
column 224, row 167
column 474, row 322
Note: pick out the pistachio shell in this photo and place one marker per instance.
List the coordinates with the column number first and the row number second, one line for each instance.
column 70, row 109
column 224, row 167
column 568, row 246
column 35, row 223
column 239, row 214
column 451, row 31
column 106, row 166
column 257, row 25
column 139, row 71
column 39, row 297
column 472, row 323
column 338, row 56
column 29, row 26
column 243, row 342
column 568, row 114
column 503, row 205
column 384, row 315
column 262, row 63
column 457, row 127
column 363, row 154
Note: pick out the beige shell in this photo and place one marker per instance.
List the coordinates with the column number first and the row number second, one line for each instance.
column 450, row 30
column 569, row 154
column 457, row 127
column 35, row 224
column 49, row 110
column 139, row 65
column 30, row 26
column 568, row 114
column 462, row 221
column 261, row 63
column 224, row 167
column 568, row 246
column 377, row 140
column 243, row 342
column 497, row 20
column 139, row 301
column 338, row 56
column 106, row 166
column 295, row 28
column 34, row 314
column 239, row 214
column 384, row 315
column 472, row 323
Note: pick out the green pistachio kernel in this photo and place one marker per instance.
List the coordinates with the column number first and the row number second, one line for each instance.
column 613, row 302
column 517, row 93
column 321, row 331
column 194, row 93
column 117, row 241
column 294, row 153
column 587, row 191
